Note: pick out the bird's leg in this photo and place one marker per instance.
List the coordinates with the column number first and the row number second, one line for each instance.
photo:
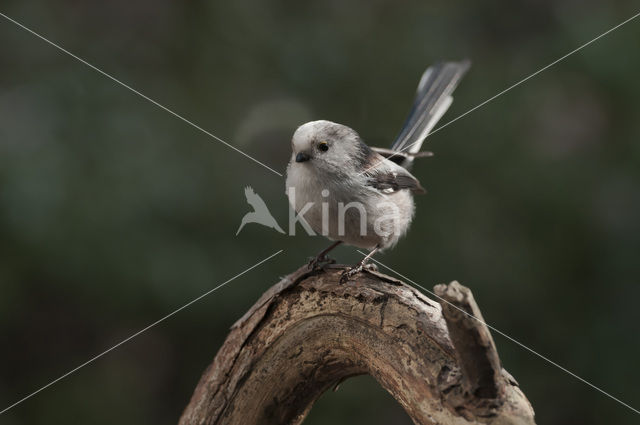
column 322, row 256
column 347, row 274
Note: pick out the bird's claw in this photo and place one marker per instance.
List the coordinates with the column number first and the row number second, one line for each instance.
column 371, row 267
column 349, row 273
column 315, row 262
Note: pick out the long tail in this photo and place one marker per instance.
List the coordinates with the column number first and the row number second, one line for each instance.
column 433, row 98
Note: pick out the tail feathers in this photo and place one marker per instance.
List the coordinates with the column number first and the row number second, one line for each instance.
column 433, row 98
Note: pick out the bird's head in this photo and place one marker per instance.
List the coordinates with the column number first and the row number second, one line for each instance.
column 328, row 145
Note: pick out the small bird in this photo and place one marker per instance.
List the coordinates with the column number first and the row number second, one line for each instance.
column 260, row 213
column 358, row 195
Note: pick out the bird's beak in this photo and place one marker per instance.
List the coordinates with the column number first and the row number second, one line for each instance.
column 302, row 157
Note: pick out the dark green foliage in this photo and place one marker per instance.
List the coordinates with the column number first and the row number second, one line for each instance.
column 113, row 213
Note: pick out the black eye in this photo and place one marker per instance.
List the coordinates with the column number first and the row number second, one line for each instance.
column 323, row 146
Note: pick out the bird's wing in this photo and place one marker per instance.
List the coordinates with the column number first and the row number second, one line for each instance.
column 390, row 177
column 254, row 199
column 248, row 192
column 433, row 98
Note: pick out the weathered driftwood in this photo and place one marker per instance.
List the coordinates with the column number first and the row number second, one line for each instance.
column 308, row 333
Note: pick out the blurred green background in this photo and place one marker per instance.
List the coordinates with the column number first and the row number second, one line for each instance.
column 114, row 213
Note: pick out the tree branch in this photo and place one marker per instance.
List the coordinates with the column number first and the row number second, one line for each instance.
column 308, row 333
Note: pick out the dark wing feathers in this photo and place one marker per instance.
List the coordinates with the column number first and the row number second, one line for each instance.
column 400, row 158
column 433, row 97
column 391, row 181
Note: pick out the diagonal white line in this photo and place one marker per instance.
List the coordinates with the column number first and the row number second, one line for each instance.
column 509, row 338
column 138, row 333
column 544, row 68
column 180, row 117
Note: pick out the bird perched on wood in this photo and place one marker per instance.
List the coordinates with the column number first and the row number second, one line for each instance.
column 363, row 196
column 260, row 213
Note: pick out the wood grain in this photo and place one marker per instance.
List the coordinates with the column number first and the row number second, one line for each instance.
column 308, row 333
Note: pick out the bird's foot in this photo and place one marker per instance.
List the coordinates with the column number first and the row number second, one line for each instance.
column 319, row 260
column 371, row 267
column 349, row 273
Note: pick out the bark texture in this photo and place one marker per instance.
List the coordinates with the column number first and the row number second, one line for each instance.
column 308, row 333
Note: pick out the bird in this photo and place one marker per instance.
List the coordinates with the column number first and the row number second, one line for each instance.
column 260, row 213
column 358, row 195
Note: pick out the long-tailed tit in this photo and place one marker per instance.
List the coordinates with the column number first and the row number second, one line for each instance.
column 358, row 195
